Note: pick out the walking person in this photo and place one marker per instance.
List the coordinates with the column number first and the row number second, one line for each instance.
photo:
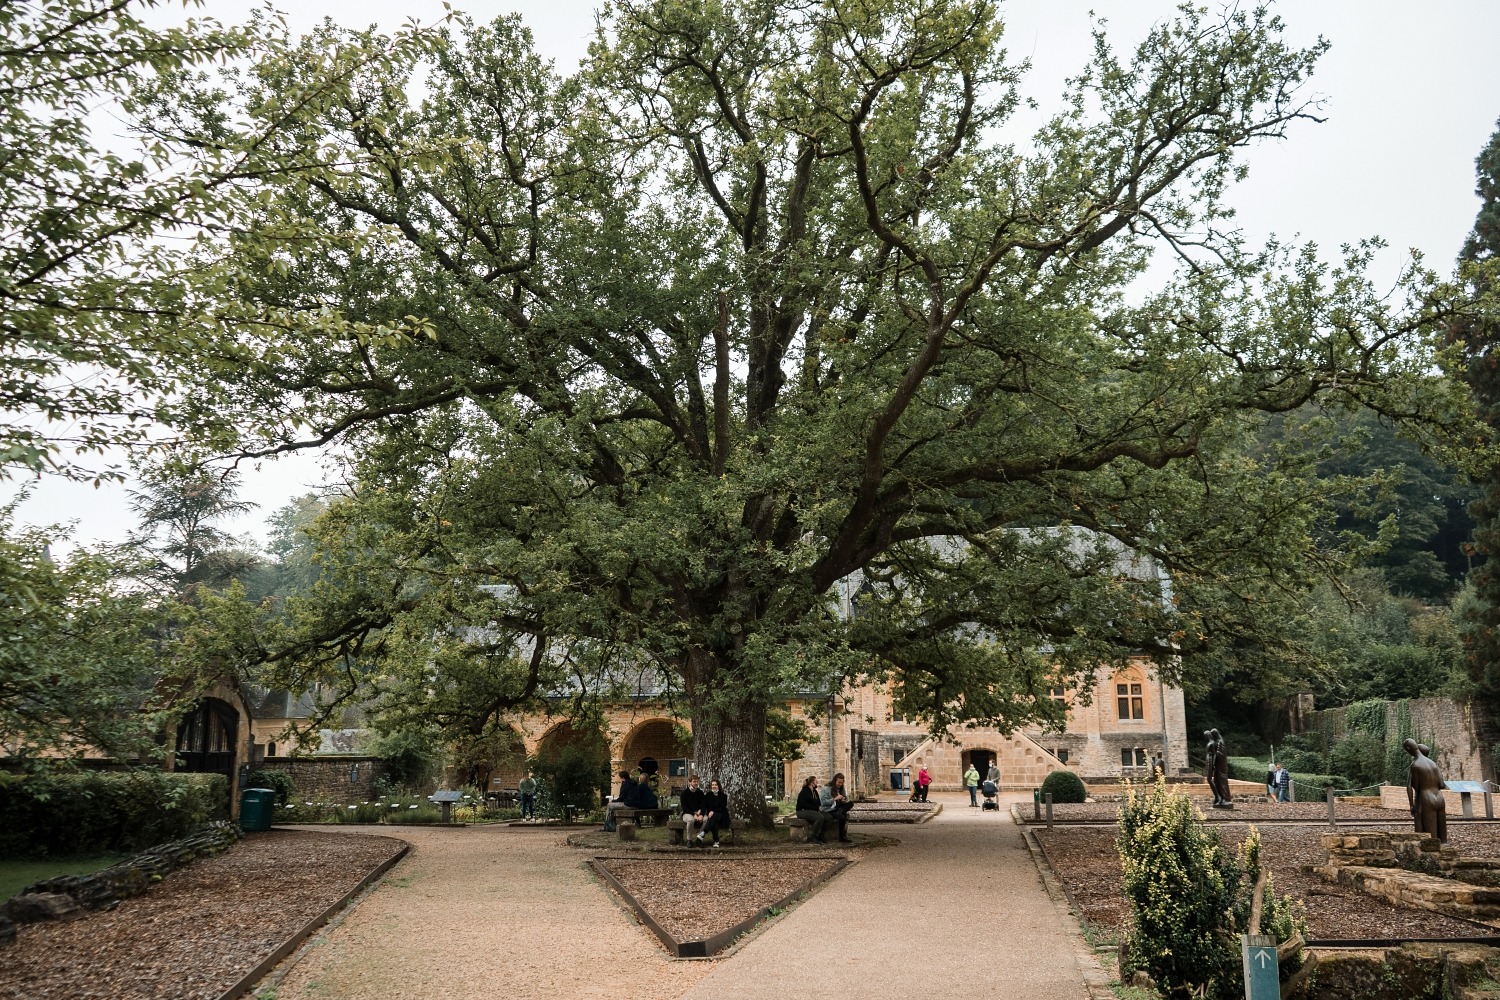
column 693, row 815
column 809, row 808
column 1283, row 784
column 528, row 796
column 715, row 811
column 1271, row 782
column 994, row 776
column 924, row 778
column 971, row 782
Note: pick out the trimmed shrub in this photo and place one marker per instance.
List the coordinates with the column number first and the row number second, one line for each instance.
column 1065, row 786
column 1190, row 898
column 105, row 812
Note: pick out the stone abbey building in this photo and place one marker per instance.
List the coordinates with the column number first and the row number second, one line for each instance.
column 1127, row 719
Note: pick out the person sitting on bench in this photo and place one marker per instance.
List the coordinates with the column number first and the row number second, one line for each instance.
column 834, row 803
column 625, row 800
column 716, row 808
column 693, row 813
column 809, row 808
column 645, row 795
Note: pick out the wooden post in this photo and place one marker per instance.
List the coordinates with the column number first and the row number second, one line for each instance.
column 1332, row 822
column 1049, row 810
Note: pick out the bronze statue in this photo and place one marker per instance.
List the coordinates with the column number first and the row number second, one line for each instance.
column 1424, row 793
column 1216, row 768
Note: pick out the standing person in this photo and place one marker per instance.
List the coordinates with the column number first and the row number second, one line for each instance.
column 994, row 776
column 528, row 796
column 693, row 813
column 1271, row 782
column 834, row 803
column 924, row 778
column 971, row 782
column 1283, row 784
column 715, row 811
column 809, row 808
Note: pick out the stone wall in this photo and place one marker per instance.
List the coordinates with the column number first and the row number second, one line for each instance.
column 343, row 780
column 1462, row 732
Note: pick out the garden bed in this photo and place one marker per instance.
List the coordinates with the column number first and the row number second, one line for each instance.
column 199, row 932
column 728, row 895
column 1088, row 865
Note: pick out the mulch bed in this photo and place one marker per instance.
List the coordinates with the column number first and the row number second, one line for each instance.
column 1254, row 812
column 198, row 932
column 694, row 900
column 1086, row 861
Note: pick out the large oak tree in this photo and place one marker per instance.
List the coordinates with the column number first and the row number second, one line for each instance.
column 763, row 349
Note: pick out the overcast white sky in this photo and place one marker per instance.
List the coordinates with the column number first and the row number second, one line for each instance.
column 1412, row 94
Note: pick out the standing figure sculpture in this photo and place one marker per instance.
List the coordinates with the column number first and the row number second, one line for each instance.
column 1424, row 793
column 1216, row 768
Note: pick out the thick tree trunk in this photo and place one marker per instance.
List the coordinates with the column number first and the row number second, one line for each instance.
column 729, row 738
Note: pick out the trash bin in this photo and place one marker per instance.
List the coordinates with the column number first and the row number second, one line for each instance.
column 255, row 809
column 898, row 778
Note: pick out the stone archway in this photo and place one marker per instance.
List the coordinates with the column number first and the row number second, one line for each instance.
column 573, row 762
column 660, row 740
column 493, row 762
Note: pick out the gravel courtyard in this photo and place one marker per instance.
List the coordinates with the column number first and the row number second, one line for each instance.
column 515, row 912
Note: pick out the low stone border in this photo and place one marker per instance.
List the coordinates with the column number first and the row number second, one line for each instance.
column 103, row 889
column 255, row 975
column 717, row 943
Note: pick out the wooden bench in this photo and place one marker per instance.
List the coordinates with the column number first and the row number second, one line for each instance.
column 677, row 826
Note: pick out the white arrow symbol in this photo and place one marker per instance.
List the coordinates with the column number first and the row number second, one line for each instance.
column 1262, row 956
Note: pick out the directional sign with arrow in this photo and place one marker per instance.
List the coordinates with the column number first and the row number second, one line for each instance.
column 1262, row 974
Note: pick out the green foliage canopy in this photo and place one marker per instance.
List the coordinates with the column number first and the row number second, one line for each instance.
column 760, row 304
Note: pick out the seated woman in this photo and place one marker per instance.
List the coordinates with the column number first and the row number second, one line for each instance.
column 834, row 803
column 809, row 808
column 716, row 809
column 645, row 792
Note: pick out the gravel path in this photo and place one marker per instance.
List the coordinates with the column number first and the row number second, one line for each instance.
column 953, row 910
column 487, row 911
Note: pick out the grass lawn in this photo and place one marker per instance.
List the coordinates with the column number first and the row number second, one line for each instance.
column 17, row 875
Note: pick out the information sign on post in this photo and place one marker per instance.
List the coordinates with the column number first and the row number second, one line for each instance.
column 1262, row 974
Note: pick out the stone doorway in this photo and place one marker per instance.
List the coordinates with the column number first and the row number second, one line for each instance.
column 981, row 759
column 206, row 740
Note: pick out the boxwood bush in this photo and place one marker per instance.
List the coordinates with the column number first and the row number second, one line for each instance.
column 1065, row 786
column 104, row 812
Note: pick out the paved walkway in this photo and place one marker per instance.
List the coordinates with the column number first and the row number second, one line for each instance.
column 956, row 910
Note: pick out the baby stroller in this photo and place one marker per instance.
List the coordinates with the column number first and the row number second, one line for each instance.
column 990, row 790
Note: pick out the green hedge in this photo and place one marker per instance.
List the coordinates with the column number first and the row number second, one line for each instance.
column 105, row 812
column 1250, row 769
